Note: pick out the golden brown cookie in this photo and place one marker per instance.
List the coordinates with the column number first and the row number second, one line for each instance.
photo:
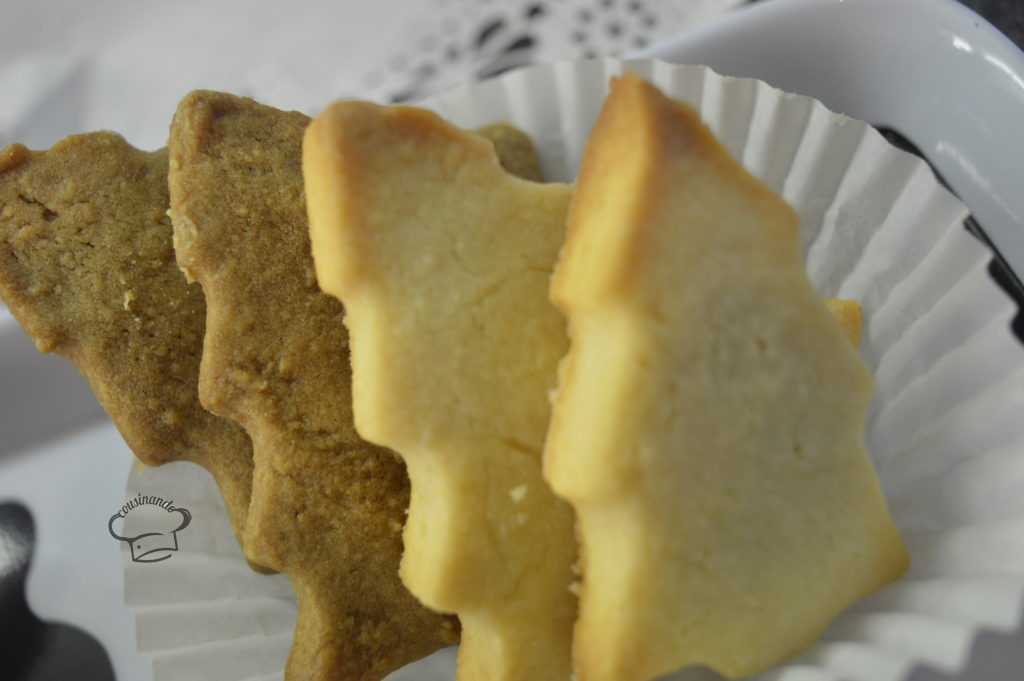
column 850, row 317
column 328, row 507
column 443, row 260
column 87, row 267
column 709, row 423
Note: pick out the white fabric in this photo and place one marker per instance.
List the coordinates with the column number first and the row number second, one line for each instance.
column 77, row 65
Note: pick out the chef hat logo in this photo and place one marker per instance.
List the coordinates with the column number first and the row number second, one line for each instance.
column 149, row 527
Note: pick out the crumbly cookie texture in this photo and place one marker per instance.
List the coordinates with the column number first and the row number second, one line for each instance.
column 328, row 507
column 87, row 267
column 443, row 261
column 709, row 423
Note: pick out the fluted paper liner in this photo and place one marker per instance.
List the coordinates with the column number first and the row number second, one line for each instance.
column 946, row 428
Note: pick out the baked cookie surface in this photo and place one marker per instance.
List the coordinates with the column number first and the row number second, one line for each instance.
column 87, row 267
column 709, row 422
column 328, row 507
column 443, row 260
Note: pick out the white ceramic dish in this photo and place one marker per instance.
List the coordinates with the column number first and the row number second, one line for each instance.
column 842, row 52
column 931, row 69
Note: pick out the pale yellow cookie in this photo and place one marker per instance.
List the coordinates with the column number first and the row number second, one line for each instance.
column 443, row 262
column 709, row 424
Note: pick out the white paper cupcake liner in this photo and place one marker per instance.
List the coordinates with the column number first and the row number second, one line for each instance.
column 946, row 428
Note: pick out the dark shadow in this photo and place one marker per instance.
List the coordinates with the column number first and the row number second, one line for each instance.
column 34, row 650
column 694, row 673
column 1006, row 15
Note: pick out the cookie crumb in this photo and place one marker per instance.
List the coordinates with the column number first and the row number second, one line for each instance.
column 13, row 156
column 518, row 493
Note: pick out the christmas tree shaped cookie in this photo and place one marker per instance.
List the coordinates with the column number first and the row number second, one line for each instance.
column 708, row 426
column 443, row 261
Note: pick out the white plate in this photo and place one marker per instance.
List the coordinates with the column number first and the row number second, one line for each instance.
column 931, row 69
column 887, row 61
